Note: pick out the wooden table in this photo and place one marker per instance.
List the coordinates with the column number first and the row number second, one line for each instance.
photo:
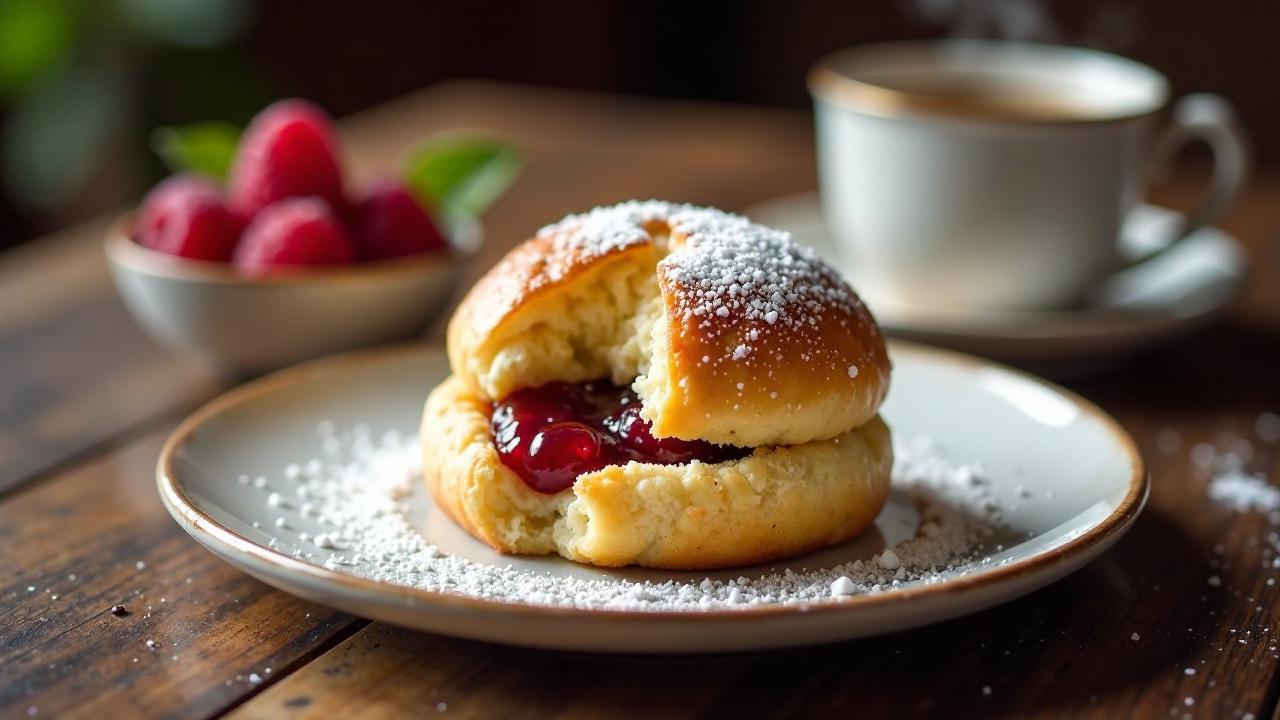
column 86, row 398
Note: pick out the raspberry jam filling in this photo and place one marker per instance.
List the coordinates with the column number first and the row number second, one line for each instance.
column 550, row 435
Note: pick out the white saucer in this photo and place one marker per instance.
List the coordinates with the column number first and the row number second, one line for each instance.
column 1155, row 301
column 1067, row 479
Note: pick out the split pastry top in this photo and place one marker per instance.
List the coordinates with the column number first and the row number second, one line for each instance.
column 728, row 331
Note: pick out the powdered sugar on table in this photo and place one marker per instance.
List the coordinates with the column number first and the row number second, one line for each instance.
column 1230, row 482
column 360, row 495
column 1243, row 491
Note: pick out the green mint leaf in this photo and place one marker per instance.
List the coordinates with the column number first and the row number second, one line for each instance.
column 205, row 148
column 459, row 174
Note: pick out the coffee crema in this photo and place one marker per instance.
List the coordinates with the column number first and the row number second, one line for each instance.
column 989, row 97
column 959, row 95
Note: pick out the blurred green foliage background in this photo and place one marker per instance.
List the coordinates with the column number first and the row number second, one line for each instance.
column 84, row 83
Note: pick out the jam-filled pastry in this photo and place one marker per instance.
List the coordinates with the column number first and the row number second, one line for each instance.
column 661, row 385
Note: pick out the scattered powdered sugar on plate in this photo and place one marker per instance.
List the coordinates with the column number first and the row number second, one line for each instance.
column 360, row 495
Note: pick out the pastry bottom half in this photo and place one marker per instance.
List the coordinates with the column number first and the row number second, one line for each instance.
column 774, row 503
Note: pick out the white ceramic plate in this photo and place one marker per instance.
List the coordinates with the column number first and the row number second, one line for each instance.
column 1167, row 297
column 1025, row 433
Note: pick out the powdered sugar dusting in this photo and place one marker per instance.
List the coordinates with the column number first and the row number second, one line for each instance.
column 726, row 274
column 584, row 237
column 728, row 264
column 755, row 292
column 359, row 498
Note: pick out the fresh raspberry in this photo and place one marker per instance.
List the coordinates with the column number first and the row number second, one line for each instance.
column 288, row 150
column 297, row 231
column 390, row 222
column 184, row 216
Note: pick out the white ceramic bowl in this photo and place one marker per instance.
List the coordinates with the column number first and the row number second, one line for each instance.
column 249, row 324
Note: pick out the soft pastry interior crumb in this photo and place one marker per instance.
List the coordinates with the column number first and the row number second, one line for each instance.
column 596, row 329
column 610, row 323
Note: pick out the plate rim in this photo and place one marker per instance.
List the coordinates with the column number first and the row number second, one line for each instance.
column 206, row 530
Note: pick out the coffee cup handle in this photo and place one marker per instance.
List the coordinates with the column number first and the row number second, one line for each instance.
column 1209, row 118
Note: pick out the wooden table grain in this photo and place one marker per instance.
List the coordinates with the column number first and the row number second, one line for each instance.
column 86, row 398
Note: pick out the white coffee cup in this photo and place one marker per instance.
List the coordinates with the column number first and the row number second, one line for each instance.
column 995, row 175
